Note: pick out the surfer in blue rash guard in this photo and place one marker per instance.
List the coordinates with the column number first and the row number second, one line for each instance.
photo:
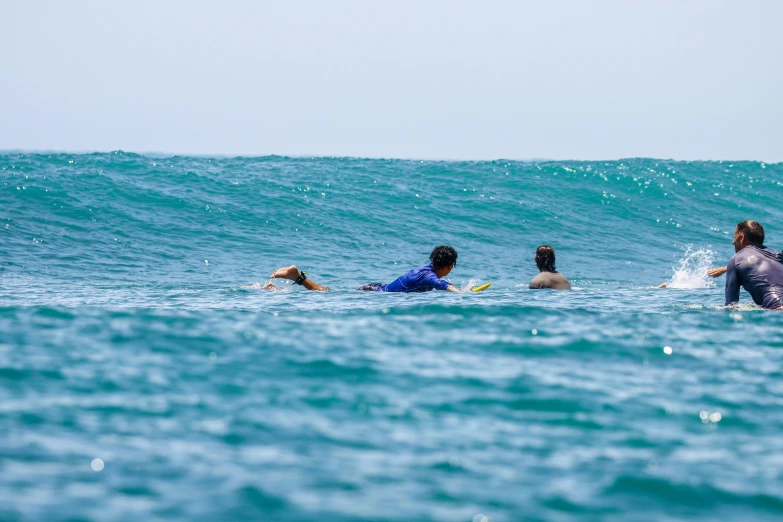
column 422, row 279
column 754, row 267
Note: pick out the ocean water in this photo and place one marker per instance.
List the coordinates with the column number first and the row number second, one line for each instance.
column 146, row 376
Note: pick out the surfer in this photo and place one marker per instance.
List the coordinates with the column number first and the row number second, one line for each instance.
column 754, row 267
column 548, row 277
column 421, row 279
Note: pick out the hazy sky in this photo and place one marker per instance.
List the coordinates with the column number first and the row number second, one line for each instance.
column 427, row 79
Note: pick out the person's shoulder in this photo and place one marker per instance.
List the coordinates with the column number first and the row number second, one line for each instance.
column 563, row 282
column 414, row 272
column 538, row 278
column 743, row 256
column 770, row 253
column 426, row 271
column 541, row 280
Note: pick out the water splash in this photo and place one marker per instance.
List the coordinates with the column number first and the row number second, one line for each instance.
column 467, row 287
column 691, row 270
column 743, row 306
column 263, row 286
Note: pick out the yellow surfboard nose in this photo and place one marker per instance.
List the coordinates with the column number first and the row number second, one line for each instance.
column 482, row 287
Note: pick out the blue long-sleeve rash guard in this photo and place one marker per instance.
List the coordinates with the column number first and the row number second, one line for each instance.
column 759, row 270
column 422, row 279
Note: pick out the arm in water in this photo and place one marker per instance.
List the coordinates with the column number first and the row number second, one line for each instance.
column 293, row 273
column 732, row 283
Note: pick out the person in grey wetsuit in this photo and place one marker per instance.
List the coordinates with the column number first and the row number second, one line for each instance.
column 754, row 267
column 549, row 276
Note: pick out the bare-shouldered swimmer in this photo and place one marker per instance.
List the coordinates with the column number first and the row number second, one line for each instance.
column 548, row 277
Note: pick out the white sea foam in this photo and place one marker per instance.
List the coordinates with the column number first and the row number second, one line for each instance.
column 691, row 270
column 260, row 286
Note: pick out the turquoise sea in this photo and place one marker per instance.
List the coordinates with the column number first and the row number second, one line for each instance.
column 144, row 375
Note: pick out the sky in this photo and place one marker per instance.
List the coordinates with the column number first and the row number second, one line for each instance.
column 407, row 79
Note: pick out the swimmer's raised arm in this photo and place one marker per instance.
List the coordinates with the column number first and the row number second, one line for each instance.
column 452, row 288
column 717, row 272
column 293, row 273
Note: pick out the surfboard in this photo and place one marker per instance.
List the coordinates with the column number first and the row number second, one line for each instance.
column 481, row 288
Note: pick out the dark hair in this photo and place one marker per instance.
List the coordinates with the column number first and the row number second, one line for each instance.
column 443, row 256
column 753, row 232
column 545, row 258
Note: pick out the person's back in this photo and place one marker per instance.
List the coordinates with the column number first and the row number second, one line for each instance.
column 421, row 279
column 553, row 280
column 759, row 270
column 549, row 276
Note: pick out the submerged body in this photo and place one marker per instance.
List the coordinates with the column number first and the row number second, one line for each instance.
column 759, row 270
column 553, row 280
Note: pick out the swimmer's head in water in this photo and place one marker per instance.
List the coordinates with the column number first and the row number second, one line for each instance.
column 748, row 233
column 545, row 258
column 443, row 257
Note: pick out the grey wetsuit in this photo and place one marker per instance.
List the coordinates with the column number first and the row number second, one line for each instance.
column 553, row 280
column 759, row 270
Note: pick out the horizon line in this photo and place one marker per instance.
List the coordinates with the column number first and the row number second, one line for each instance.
column 353, row 157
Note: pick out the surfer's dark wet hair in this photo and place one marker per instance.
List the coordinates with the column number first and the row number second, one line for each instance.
column 545, row 258
column 443, row 256
column 753, row 232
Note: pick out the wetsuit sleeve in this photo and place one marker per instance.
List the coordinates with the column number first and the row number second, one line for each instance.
column 733, row 283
